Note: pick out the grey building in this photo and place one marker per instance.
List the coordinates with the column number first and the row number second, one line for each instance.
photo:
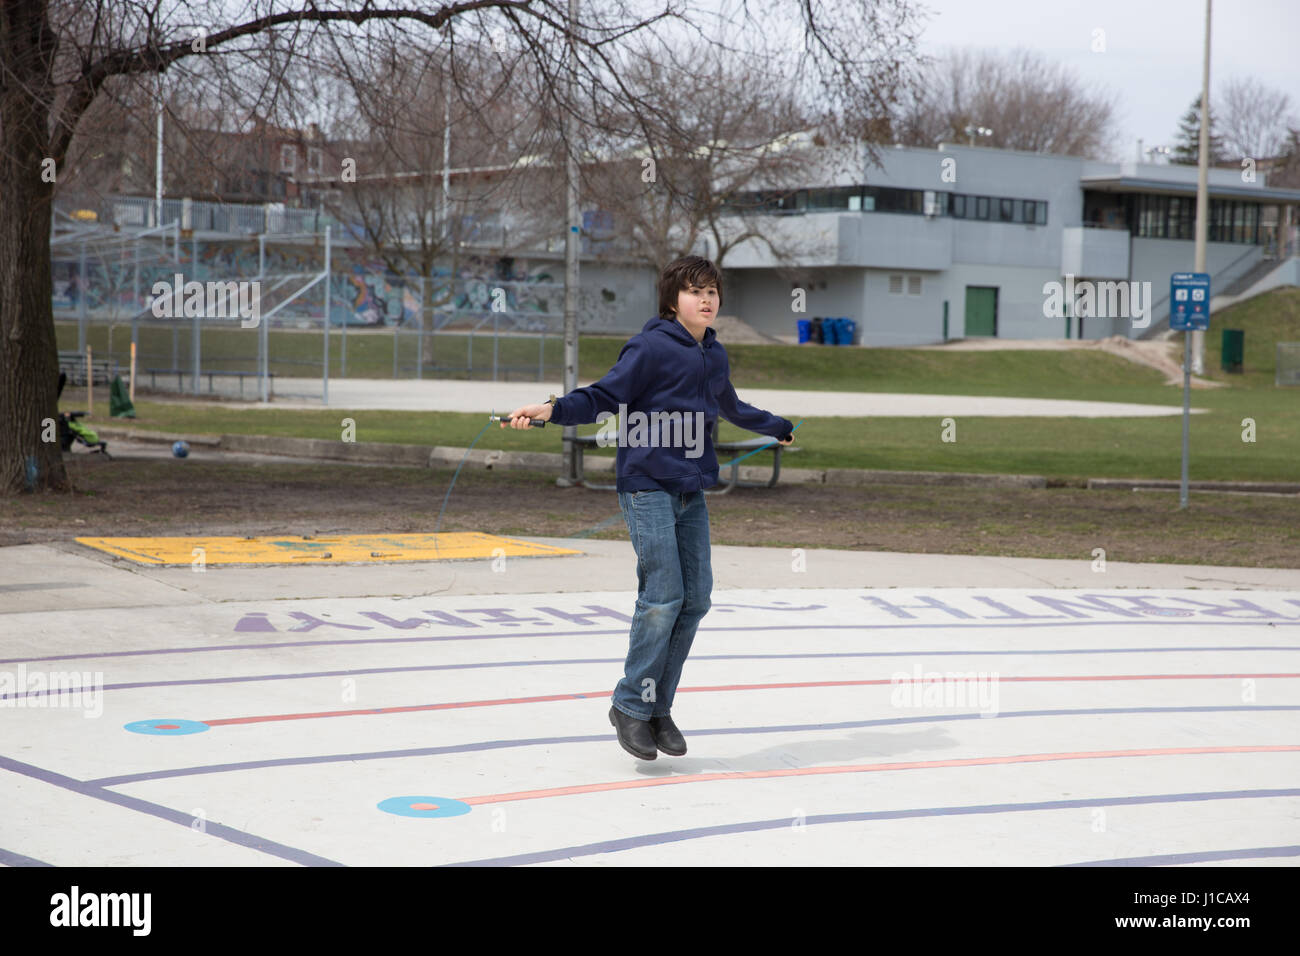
column 968, row 241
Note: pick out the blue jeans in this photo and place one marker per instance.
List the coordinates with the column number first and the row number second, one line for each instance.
column 670, row 533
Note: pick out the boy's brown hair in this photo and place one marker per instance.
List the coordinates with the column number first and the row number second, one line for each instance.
column 682, row 273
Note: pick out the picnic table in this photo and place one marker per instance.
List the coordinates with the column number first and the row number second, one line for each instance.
column 731, row 449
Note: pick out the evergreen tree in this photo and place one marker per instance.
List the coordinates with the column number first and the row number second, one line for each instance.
column 1188, row 149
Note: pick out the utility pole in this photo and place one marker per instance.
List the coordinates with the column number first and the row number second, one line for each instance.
column 1202, row 189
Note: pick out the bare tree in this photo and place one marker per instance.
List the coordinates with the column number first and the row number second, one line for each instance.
column 1029, row 102
column 1253, row 118
column 402, row 99
column 1285, row 170
column 671, row 180
column 58, row 57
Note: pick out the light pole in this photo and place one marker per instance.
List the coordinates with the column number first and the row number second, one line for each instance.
column 973, row 131
column 1202, row 189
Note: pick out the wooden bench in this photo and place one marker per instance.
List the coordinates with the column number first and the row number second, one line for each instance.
column 102, row 371
column 180, row 373
column 735, row 449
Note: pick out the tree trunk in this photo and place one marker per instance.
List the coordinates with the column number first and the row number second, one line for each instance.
column 30, row 456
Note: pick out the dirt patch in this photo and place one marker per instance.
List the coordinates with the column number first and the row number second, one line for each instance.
column 1162, row 355
column 171, row 497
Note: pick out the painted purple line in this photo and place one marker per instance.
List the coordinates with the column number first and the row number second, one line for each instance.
column 622, row 632
column 353, row 672
column 679, row 836
column 1203, row 856
column 604, row 739
column 10, row 858
column 219, row 830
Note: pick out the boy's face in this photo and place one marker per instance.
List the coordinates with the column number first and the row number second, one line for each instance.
column 697, row 307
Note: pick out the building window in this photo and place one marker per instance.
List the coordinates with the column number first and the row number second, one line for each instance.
column 313, row 160
column 1182, row 222
column 840, row 198
column 288, row 159
column 1174, row 217
column 913, row 285
column 896, row 285
column 889, row 199
column 1027, row 211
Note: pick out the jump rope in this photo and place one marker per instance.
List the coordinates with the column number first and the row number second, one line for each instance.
column 536, row 423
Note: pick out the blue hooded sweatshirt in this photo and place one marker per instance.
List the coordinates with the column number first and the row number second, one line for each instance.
column 661, row 371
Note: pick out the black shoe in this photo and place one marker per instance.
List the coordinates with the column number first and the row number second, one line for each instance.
column 633, row 735
column 667, row 737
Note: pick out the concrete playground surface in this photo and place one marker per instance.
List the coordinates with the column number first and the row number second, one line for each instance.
column 840, row 708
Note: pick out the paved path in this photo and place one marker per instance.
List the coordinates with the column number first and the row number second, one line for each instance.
column 459, row 396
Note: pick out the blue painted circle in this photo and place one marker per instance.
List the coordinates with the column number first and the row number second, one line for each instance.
column 446, row 807
column 170, row 728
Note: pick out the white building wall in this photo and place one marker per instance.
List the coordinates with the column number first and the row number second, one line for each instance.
column 762, row 297
column 1020, row 300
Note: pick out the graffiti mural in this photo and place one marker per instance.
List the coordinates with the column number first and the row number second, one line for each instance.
column 117, row 283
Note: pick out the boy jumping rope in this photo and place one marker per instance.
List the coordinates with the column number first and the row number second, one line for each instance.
column 674, row 373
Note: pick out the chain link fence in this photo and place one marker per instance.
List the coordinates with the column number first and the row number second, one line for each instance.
column 183, row 302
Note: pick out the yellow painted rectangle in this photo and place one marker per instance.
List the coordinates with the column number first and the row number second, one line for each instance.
column 328, row 549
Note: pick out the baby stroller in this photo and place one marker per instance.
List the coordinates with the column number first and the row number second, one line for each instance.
column 71, row 430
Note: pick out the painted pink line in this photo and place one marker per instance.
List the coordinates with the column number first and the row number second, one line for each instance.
column 604, row 692
column 863, row 768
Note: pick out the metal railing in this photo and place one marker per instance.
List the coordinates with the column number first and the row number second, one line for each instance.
column 233, row 218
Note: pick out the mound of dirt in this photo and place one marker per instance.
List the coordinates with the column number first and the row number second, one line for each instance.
column 1163, row 355
column 731, row 329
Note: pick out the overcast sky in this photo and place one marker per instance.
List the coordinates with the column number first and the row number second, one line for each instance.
column 1153, row 49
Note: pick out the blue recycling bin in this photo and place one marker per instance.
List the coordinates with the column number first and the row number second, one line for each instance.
column 832, row 327
column 805, row 330
column 848, row 332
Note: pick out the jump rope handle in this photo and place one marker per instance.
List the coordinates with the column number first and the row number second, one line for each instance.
column 532, row 422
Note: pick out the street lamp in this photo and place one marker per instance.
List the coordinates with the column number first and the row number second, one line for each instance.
column 973, row 131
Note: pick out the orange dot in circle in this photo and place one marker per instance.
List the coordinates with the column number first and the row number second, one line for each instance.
column 167, row 726
column 424, row 806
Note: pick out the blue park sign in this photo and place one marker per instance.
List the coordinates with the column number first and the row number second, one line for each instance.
column 1189, row 301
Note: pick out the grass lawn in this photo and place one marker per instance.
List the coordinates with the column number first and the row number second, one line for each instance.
column 1061, row 448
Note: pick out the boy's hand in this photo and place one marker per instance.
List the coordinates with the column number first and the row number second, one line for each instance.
column 521, row 416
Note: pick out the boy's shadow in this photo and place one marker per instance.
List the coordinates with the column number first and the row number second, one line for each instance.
column 862, row 746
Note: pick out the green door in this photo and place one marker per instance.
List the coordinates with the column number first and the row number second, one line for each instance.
column 981, row 310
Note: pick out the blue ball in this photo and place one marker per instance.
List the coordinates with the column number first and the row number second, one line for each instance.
column 181, row 449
